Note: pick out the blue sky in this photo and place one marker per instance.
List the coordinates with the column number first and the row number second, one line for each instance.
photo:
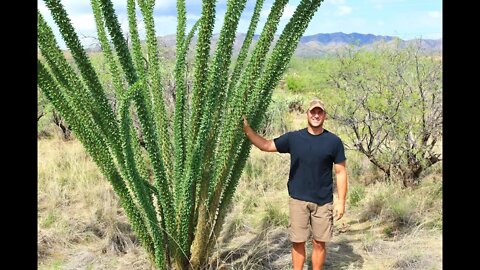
column 406, row 19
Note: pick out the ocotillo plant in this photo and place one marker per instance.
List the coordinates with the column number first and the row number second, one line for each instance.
column 176, row 188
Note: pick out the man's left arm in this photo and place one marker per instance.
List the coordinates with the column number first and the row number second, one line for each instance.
column 341, row 176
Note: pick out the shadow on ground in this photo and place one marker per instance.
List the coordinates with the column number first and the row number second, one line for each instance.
column 340, row 255
column 270, row 250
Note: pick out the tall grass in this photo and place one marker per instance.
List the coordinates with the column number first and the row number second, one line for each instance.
column 402, row 209
column 77, row 207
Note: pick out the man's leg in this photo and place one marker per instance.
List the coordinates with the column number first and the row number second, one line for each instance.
column 318, row 255
column 298, row 255
column 299, row 219
column 322, row 227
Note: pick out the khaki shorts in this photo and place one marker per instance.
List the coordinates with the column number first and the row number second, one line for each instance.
column 319, row 217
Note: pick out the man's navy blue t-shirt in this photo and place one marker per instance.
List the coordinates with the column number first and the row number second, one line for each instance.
column 312, row 158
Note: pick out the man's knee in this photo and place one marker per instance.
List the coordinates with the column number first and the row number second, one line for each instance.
column 298, row 245
column 318, row 244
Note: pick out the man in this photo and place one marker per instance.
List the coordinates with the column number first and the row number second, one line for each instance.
column 313, row 151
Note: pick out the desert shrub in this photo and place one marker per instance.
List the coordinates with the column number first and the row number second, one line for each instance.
column 399, row 208
column 275, row 216
column 356, row 194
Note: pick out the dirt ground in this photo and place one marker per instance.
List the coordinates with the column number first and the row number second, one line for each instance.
column 356, row 245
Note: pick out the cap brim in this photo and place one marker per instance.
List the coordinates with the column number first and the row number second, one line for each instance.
column 316, row 106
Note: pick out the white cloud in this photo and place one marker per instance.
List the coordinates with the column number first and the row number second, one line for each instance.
column 193, row 17
column 346, row 25
column 83, row 22
column 264, row 13
column 43, row 8
column 79, row 5
column 434, row 14
column 161, row 4
column 336, row 2
column 165, row 25
column 344, row 10
column 166, row 19
column 380, row 4
column 288, row 12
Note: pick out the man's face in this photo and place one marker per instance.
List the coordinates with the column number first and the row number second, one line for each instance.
column 315, row 117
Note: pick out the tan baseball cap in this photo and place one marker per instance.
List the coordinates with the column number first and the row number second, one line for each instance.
column 316, row 103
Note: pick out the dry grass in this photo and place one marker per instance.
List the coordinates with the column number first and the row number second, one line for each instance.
column 81, row 226
column 80, row 222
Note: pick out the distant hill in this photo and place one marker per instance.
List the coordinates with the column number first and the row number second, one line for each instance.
column 315, row 45
column 320, row 44
column 339, row 37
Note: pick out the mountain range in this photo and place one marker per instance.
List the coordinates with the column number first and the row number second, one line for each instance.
column 320, row 44
column 314, row 45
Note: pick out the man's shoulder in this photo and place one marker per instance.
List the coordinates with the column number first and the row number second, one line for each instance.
column 294, row 132
column 298, row 132
column 291, row 136
column 333, row 136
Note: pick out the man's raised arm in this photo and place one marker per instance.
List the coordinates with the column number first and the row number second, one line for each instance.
column 257, row 140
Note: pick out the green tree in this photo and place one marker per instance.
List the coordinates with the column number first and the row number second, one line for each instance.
column 307, row 75
column 176, row 190
column 390, row 99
